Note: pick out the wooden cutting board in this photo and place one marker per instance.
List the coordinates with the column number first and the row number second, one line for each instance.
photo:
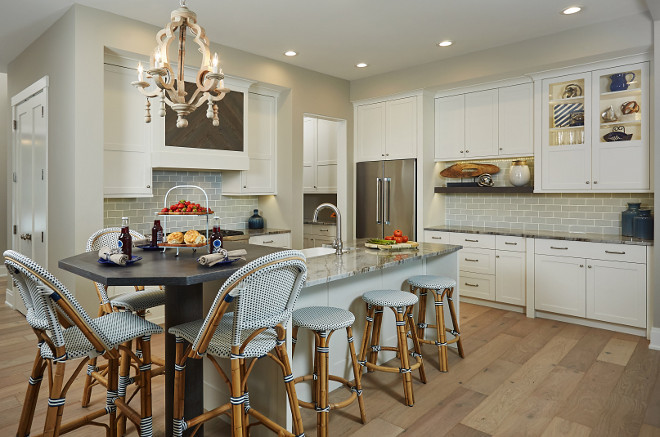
column 398, row 246
column 469, row 170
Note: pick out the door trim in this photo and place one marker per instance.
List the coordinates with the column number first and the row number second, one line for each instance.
column 41, row 84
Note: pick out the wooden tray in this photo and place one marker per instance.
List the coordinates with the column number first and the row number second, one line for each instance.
column 398, row 246
column 469, row 170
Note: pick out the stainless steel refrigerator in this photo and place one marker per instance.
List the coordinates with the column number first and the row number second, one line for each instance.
column 386, row 198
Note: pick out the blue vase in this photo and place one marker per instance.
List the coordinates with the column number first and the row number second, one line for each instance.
column 619, row 82
column 643, row 225
column 627, row 217
column 256, row 221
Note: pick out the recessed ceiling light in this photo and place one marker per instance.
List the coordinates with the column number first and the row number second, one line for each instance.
column 361, row 65
column 571, row 10
column 445, row 43
column 290, row 53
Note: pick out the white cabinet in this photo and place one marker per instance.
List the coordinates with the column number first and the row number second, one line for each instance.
column 481, row 125
column 516, row 126
column 386, row 130
column 590, row 139
column 127, row 138
column 261, row 177
column 318, row 234
column 510, row 270
column 320, row 138
column 272, row 240
column 605, row 282
column 436, row 237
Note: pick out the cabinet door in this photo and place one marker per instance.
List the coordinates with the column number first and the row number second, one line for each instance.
column 477, row 285
column 559, row 285
column 126, row 137
column 309, row 140
column 260, row 178
column 481, row 124
column 516, row 105
column 566, row 141
column 510, row 277
column 326, row 178
column 450, row 128
column 370, row 127
column 616, row 292
column 401, row 122
column 326, row 142
column 624, row 164
column 309, row 179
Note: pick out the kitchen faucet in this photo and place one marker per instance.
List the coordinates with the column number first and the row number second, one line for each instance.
column 337, row 244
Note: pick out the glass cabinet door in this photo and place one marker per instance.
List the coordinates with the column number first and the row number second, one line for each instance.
column 566, row 132
column 620, row 148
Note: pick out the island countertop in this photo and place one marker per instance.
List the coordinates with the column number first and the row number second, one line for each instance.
column 328, row 268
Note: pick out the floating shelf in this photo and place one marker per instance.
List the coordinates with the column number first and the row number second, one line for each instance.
column 473, row 190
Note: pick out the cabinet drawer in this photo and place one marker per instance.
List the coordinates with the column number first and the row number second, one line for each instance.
column 576, row 249
column 514, row 244
column 436, row 237
column 477, row 285
column 477, row 260
column 320, row 230
column 483, row 241
column 272, row 240
column 617, row 252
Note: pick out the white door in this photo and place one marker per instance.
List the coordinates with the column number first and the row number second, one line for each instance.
column 559, row 285
column 510, row 277
column 450, row 128
column 401, row 122
column 370, row 125
column 481, row 124
column 516, row 136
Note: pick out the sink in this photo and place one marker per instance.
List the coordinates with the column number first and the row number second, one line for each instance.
column 313, row 252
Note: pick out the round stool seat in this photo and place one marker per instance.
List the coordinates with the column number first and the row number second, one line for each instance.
column 322, row 318
column 389, row 298
column 432, row 281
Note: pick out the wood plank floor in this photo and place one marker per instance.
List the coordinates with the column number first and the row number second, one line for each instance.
column 520, row 377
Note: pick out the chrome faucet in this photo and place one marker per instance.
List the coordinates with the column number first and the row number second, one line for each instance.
column 337, row 244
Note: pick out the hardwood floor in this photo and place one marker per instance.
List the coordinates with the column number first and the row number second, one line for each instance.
column 520, row 377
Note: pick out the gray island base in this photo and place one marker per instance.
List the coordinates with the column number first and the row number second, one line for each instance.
column 340, row 281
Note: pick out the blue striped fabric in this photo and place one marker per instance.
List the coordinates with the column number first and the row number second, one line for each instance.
column 562, row 113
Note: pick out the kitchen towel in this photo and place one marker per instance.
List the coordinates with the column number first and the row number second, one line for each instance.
column 113, row 255
column 141, row 242
column 214, row 258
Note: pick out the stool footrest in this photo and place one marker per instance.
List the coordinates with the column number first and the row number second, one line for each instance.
column 346, row 383
column 372, row 366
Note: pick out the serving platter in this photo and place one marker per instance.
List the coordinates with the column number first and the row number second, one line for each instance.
column 397, row 246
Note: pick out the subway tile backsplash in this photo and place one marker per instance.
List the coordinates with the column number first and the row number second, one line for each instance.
column 598, row 213
column 233, row 211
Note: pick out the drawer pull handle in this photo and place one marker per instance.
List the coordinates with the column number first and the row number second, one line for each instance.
column 510, row 243
column 269, row 241
column 472, row 241
column 613, row 252
column 471, row 285
column 559, row 248
column 472, row 260
column 436, row 238
column 324, row 230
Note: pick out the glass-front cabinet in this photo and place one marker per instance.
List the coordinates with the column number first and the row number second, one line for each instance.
column 595, row 131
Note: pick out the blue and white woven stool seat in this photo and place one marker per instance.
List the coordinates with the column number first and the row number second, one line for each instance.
column 322, row 318
column 389, row 298
column 432, row 282
column 140, row 300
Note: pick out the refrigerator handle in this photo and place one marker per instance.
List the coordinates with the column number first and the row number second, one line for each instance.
column 379, row 193
column 386, row 200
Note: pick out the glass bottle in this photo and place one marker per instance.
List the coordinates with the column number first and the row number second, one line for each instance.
column 643, row 225
column 156, row 233
column 256, row 221
column 125, row 241
column 627, row 217
column 215, row 239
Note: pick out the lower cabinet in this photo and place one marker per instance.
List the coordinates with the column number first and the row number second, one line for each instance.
column 318, row 235
column 510, row 277
column 272, row 240
column 559, row 285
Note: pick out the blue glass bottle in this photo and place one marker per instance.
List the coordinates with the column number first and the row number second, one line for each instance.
column 643, row 225
column 256, row 221
column 627, row 217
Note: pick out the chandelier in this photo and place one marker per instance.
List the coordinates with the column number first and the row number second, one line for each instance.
column 170, row 88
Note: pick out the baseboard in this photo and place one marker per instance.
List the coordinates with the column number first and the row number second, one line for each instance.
column 641, row 332
column 655, row 339
column 491, row 304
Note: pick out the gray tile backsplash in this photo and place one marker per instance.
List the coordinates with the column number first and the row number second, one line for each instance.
column 233, row 211
column 598, row 213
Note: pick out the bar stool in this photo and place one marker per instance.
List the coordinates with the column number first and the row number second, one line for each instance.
column 440, row 287
column 324, row 321
column 401, row 304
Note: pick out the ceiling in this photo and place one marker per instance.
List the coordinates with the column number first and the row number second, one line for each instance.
column 332, row 36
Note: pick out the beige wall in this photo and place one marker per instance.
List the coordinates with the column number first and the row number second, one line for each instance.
column 655, row 147
column 626, row 35
column 5, row 141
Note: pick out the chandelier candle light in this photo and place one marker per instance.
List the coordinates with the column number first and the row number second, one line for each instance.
column 171, row 88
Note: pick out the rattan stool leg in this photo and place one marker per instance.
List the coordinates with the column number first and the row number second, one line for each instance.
column 417, row 347
column 179, row 389
column 124, row 375
column 402, row 340
column 146, row 420
column 113, row 387
column 454, row 320
column 31, row 396
column 54, row 412
column 236, row 393
column 294, row 339
column 322, row 408
column 421, row 315
column 367, row 333
column 375, row 335
column 282, row 355
column 441, row 336
column 357, row 374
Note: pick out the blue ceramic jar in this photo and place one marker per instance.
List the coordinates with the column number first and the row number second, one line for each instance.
column 256, row 221
column 627, row 217
column 643, row 225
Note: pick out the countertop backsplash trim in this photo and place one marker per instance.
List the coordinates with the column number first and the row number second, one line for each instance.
column 233, row 211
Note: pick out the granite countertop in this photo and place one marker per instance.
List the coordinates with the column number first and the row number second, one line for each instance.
column 328, row 268
column 247, row 233
column 555, row 235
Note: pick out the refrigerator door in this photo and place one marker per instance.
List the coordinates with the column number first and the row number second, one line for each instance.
column 400, row 207
column 368, row 182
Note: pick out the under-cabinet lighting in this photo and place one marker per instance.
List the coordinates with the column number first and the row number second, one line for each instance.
column 571, row 10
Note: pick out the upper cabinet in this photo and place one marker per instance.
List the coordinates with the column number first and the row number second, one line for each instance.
column 594, row 131
column 320, row 137
column 261, row 177
column 491, row 123
column 387, row 129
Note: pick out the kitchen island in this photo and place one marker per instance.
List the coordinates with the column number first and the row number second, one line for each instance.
column 340, row 281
